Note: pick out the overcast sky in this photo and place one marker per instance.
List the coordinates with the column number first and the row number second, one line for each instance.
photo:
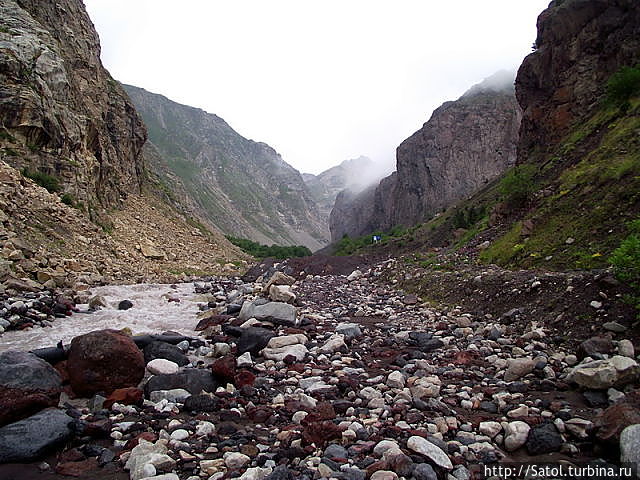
column 320, row 81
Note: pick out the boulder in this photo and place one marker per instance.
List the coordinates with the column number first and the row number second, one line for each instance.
column 599, row 374
column 251, row 339
column 193, row 380
column 27, row 384
column 333, row 344
column 349, row 330
column 278, row 313
column 281, row 293
column 515, row 435
column 594, row 346
column 518, row 367
column 161, row 366
column 278, row 354
column 284, row 340
column 434, row 453
column 543, row 438
column 279, row 278
column 103, row 361
column 28, row 439
column 158, row 349
column 125, row 305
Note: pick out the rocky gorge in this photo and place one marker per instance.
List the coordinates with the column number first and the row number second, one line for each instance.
column 301, row 375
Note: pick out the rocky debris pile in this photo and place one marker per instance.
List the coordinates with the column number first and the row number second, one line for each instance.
column 353, row 380
column 26, row 303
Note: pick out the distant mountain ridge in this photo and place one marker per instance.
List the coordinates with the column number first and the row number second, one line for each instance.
column 354, row 175
column 241, row 186
column 465, row 144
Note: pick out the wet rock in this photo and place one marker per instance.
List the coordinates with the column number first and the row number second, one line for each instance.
column 166, row 351
column 97, row 302
column 543, row 438
column 193, row 380
column 103, row 361
column 160, row 366
column 125, row 305
column 600, row 374
column 276, row 312
column 28, row 439
column 518, row 367
column 27, row 384
column 425, row 447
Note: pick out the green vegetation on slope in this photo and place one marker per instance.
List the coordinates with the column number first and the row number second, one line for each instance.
column 275, row 251
column 626, row 263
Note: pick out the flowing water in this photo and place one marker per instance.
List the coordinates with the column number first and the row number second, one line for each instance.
column 151, row 313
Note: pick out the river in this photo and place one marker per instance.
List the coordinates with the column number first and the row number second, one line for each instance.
column 151, row 313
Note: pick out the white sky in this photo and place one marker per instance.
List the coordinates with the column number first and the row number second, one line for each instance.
column 320, row 81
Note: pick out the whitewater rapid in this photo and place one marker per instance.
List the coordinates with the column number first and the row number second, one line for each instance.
column 151, row 313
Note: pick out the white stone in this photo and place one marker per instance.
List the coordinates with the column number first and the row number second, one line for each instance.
column 425, row 447
column 279, row 354
column 179, row 434
column 335, row 343
column 281, row 293
column 162, row 366
column 244, row 360
column 490, row 429
column 395, row 379
column 235, row 459
column 385, row 445
column 285, row 340
column 515, row 435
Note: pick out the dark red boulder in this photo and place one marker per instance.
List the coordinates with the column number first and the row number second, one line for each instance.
column 103, row 361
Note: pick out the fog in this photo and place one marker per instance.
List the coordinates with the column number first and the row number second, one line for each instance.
column 320, row 81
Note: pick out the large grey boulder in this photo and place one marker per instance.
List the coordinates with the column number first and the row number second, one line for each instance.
column 27, row 384
column 600, row 374
column 276, row 312
column 28, row 439
column 630, row 447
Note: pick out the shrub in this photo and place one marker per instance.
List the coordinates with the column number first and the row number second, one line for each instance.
column 626, row 262
column 517, row 185
column 51, row 183
column 263, row 251
column 623, row 85
column 467, row 217
column 68, row 199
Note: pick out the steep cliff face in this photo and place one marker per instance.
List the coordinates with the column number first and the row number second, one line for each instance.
column 241, row 186
column 580, row 43
column 464, row 145
column 61, row 113
column 355, row 175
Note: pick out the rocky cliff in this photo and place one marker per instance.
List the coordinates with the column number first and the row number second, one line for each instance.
column 65, row 123
column 61, row 112
column 580, row 44
column 243, row 187
column 464, row 145
column 354, row 175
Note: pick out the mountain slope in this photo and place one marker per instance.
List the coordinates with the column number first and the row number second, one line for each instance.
column 464, row 145
column 66, row 124
column 241, row 186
